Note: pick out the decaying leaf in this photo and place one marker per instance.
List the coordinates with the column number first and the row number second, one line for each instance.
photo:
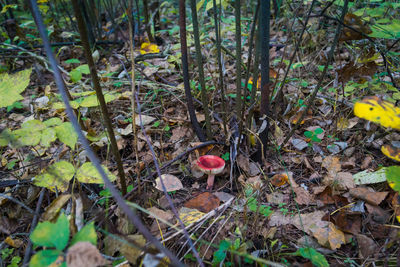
column 368, row 177
column 391, row 152
column 54, row 208
column 171, row 183
column 189, row 216
column 131, row 252
column 279, row 179
column 84, row 254
column 368, row 195
column 204, row 202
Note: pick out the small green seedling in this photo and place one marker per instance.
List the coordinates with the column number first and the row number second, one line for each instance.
column 313, row 136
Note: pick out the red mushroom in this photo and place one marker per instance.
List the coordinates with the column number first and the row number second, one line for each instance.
column 210, row 165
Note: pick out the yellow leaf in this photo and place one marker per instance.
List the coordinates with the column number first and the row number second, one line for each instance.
column 189, row 216
column 374, row 109
column 147, row 48
column 391, row 152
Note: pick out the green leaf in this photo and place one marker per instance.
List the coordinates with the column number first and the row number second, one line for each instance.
column 314, row 256
column 44, row 258
column 52, row 235
column 220, row 254
column 52, row 122
column 318, row 131
column 308, row 134
column 12, row 85
column 393, row 177
column 7, row 137
column 57, row 176
column 72, row 60
column 91, row 101
column 87, row 233
column 75, row 75
column 83, row 69
column 25, row 137
column 66, row 133
column 48, row 136
column 87, row 173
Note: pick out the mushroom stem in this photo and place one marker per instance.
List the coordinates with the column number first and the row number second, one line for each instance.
column 210, row 181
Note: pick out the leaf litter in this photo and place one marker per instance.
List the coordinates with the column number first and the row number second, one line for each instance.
column 325, row 197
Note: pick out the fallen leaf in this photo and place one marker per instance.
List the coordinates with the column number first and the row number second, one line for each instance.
column 84, row 254
column 331, row 164
column 205, row 202
column 368, row 177
column 243, row 163
column 130, row 252
column 277, row 198
column 349, row 223
column 366, row 162
column 367, row 248
column 54, row 208
column 368, row 195
column 171, row 183
column 255, row 182
column 302, row 196
column 279, row 179
column 196, row 172
column 340, row 180
column 189, row 216
column 145, row 119
column 13, row 242
column 378, row 214
column 158, row 213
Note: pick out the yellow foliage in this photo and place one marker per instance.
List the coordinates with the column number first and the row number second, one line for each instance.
column 148, row 48
column 374, row 109
column 391, row 152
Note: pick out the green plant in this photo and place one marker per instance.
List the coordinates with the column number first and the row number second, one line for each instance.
column 54, row 237
column 313, row 135
column 16, row 104
column 76, row 74
column 314, row 256
column 254, row 206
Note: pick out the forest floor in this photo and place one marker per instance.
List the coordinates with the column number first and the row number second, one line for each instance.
column 325, row 189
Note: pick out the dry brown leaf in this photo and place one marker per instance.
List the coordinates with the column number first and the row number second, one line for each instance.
column 204, row 202
column 196, row 172
column 54, row 208
column 13, row 242
column 367, row 247
column 279, row 179
column 277, row 198
column 340, row 181
column 158, row 213
column 84, row 254
column 331, row 164
column 368, row 195
column 325, row 232
column 302, row 196
column 349, row 223
column 366, row 162
column 243, row 163
column 379, row 215
column 171, row 183
column 255, row 182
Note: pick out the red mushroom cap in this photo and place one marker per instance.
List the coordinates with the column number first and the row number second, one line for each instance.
column 210, row 164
